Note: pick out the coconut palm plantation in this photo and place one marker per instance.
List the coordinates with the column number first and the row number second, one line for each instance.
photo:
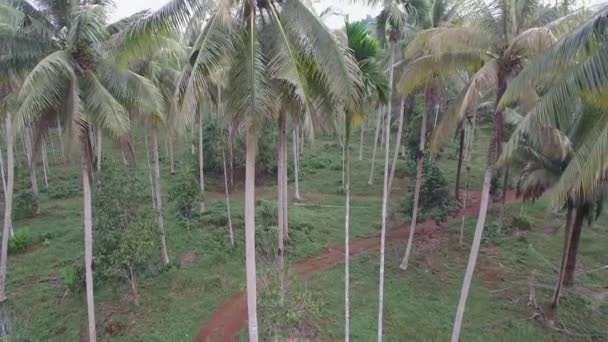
column 281, row 170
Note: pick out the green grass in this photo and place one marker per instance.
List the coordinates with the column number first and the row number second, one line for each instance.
column 176, row 301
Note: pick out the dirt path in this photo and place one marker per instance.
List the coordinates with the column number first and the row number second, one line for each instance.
column 227, row 320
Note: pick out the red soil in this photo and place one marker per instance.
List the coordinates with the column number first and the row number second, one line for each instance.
column 227, row 320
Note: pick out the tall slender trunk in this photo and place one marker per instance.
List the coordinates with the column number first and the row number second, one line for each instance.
column 347, row 235
column 383, row 133
column 397, row 144
column 133, row 282
column 419, row 176
column 284, row 186
column 54, row 151
column 301, row 139
column 99, row 141
column 85, row 171
column 378, row 122
column 227, row 198
column 2, row 172
column 385, row 193
column 45, row 164
column 31, row 163
column 569, row 274
column 171, row 158
column 503, row 198
column 8, row 204
column 149, row 168
column 459, row 167
column 231, row 154
column 201, row 172
column 60, row 135
column 483, row 208
column 469, row 146
column 159, row 208
column 562, row 269
column 250, row 269
column 296, row 167
column 281, row 202
column 343, row 164
column 361, row 142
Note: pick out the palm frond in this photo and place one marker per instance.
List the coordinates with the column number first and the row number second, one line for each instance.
column 531, row 42
column 103, row 108
column 422, row 70
column 44, row 88
column 485, row 78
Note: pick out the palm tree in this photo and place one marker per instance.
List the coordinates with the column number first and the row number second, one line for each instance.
column 392, row 19
column 501, row 38
column 366, row 52
column 262, row 44
column 68, row 54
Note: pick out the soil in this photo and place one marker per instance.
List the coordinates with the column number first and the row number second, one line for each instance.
column 228, row 320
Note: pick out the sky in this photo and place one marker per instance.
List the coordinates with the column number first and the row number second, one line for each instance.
column 125, row 8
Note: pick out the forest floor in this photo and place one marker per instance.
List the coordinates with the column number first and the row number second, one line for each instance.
column 206, row 272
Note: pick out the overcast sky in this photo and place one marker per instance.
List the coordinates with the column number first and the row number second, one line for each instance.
column 125, row 8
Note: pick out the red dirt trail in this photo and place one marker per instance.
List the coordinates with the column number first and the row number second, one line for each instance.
column 227, row 320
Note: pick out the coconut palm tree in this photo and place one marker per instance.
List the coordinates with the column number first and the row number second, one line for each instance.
column 68, row 54
column 394, row 20
column 501, row 37
column 262, row 44
column 366, row 52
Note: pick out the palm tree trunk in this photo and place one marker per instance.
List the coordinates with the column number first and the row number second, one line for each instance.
column 281, row 202
column 227, row 198
column 201, row 173
column 467, row 157
column 31, row 164
column 301, row 139
column 397, row 144
column 347, row 235
column 378, row 122
column 419, row 175
column 60, row 135
column 85, row 171
column 171, row 159
column 2, row 172
column 8, row 204
column 149, row 168
column 159, row 209
column 361, row 142
column 570, row 268
column 503, row 198
column 45, row 164
column 483, row 208
column 231, row 154
column 385, row 194
column 459, row 167
column 296, row 167
column 99, row 141
column 562, row 269
column 250, row 153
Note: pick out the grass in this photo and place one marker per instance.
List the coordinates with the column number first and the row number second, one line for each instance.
column 206, row 271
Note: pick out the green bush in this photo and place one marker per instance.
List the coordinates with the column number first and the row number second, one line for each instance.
column 185, row 195
column 406, row 169
column 21, row 241
column 435, row 201
column 277, row 322
column 61, row 189
column 73, row 277
column 126, row 233
column 25, row 205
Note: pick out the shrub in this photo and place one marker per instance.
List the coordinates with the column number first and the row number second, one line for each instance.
column 73, row 277
column 278, row 322
column 25, row 205
column 185, row 195
column 21, row 241
column 406, row 169
column 435, row 198
column 62, row 189
column 126, row 233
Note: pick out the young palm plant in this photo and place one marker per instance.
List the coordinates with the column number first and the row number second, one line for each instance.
column 68, row 53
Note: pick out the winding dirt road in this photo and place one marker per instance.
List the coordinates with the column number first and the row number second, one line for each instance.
column 227, row 320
